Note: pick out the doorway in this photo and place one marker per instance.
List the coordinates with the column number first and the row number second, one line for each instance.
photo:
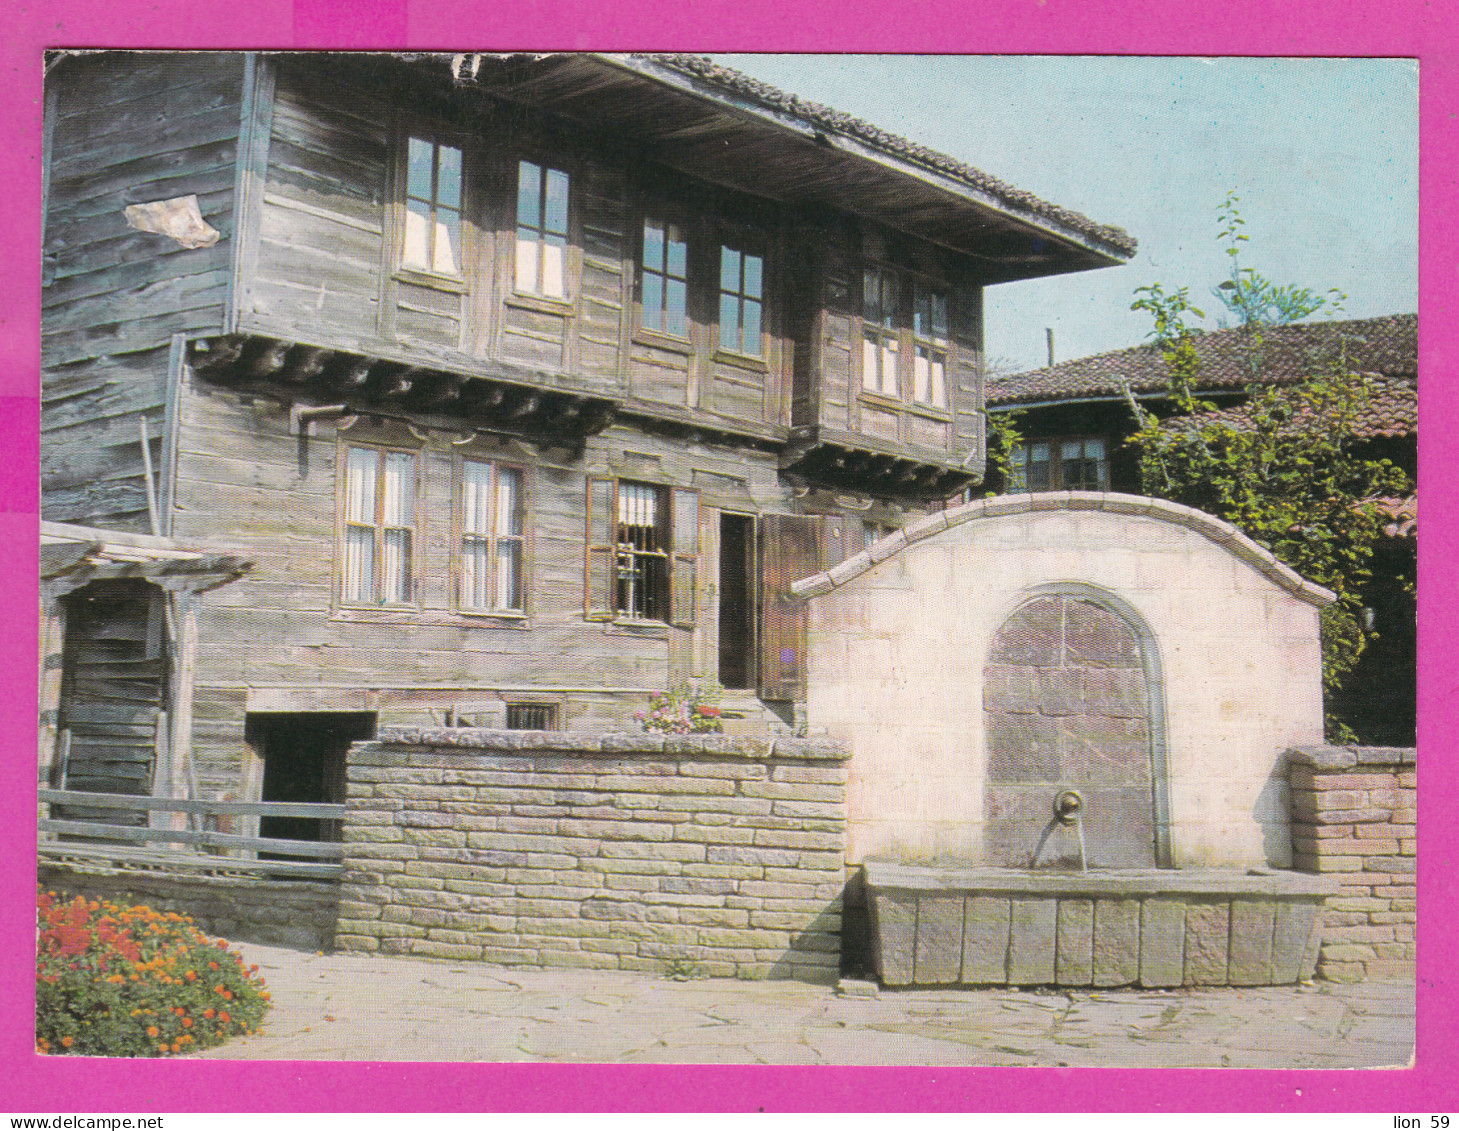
column 304, row 760
column 737, row 645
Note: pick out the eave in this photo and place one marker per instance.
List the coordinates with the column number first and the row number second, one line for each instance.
column 500, row 401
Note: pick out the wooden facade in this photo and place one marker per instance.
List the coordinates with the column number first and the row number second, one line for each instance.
column 527, row 384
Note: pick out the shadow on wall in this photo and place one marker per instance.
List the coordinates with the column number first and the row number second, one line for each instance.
column 1271, row 813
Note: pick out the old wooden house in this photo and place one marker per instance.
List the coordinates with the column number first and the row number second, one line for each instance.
column 526, row 384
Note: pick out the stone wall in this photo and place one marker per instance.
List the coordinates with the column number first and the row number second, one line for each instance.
column 292, row 913
column 684, row 855
column 1354, row 814
column 901, row 644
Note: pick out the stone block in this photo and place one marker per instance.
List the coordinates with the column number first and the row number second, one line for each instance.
column 1162, row 942
column 1390, row 864
column 1347, row 952
column 1207, row 929
column 894, row 936
column 1010, row 689
column 1116, row 942
column 1293, row 924
column 1060, row 691
column 937, row 958
column 1032, row 941
column 1074, row 954
column 985, row 940
column 1253, row 923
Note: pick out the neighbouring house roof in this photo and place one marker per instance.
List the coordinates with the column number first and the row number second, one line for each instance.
column 1390, row 410
column 823, row 117
column 1001, row 506
column 1401, row 513
column 1386, row 347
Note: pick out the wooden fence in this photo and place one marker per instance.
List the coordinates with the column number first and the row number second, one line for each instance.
column 196, row 849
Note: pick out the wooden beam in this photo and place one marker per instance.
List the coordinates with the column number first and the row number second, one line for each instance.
column 352, row 375
column 306, row 363
column 212, row 355
column 270, row 360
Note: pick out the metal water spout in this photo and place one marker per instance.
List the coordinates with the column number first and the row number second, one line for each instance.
column 1068, row 807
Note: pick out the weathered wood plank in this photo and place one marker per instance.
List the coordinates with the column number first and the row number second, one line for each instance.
column 322, row 810
column 185, row 861
column 326, row 850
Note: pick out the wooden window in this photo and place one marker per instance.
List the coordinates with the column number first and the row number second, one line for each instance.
column 492, row 552
column 929, row 345
column 642, row 552
column 1077, row 463
column 379, row 527
column 542, row 196
column 880, row 342
column 531, row 716
column 432, row 208
column 741, row 301
column 664, row 279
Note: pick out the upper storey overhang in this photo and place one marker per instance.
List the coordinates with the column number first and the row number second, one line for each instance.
column 691, row 115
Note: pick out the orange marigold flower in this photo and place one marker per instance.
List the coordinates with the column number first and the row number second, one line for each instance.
column 209, row 1013
column 212, row 966
column 223, row 1017
column 187, row 1022
column 192, row 975
column 152, row 1031
column 68, row 1041
column 177, row 1046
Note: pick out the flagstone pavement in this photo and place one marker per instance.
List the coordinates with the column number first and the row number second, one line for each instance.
column 353, row 1007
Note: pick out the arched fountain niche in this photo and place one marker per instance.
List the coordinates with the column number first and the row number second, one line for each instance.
column 1076, row 775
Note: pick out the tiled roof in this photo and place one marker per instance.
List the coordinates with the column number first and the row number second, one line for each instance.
column 1387, row 346
column 1391, row 409
column 742, row 85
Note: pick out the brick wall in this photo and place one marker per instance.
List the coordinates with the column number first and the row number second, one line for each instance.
column 291, row 913
column 1354, row 812
column 696, row 855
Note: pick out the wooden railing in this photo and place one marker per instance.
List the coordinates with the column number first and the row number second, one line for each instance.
column 193, row 849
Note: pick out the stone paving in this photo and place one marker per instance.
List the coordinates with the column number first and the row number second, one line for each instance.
column 354, row 1007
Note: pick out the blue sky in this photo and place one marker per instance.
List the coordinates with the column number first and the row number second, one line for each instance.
column 1323, row 153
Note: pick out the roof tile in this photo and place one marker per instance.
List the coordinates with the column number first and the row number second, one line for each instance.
column 1386, row 346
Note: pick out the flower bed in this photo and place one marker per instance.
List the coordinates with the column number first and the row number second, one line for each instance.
column 117, row 980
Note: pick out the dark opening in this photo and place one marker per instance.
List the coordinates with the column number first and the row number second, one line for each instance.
column 304, row 760
column 736, row 601
column 113, row 691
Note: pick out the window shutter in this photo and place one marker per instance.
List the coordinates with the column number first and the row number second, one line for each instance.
column 792, row 550
column 685, row 556
column 602, row 519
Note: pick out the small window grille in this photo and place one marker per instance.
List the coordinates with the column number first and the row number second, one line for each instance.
column 531, row 716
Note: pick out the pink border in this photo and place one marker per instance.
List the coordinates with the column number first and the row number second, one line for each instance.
column 1337, row 27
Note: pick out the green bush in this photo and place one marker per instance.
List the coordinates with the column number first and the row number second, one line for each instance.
column 116, row 980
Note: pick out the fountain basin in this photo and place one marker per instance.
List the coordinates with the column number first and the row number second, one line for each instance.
column 1142, row 927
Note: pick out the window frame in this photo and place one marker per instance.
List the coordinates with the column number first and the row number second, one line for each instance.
column 934, row 345
column 343, row 524
column 668, row 218
column 1056, row 463
column 678, row 583
column 513, row 223
column 413, row 129
column 744, row 243
column 459, row 535
column 901, row 333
